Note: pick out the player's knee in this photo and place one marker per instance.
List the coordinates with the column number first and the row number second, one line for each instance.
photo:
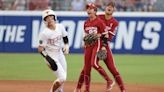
column 63, row 78
column 95, row 66
column 115, row 73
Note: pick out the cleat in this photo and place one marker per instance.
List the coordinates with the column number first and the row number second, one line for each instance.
column 123, row 91
column 77, row 90
column 110, row 86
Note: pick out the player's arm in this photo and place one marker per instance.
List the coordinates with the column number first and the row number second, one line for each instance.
column 112, row 32
column 65, row 40
column 42, row 51
column 104, row 35
column 52, row 63
column 66, row 47
column 104, row 40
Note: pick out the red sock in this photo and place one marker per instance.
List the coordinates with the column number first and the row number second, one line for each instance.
column 120, row 82
column 104, row 74
column 87, row 82
column 81, row 80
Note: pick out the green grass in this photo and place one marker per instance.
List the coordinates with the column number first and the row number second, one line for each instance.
column 133, row 68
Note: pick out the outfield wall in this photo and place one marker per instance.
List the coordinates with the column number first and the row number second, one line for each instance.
column 137, row 33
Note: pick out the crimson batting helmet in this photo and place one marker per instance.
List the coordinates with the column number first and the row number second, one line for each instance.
column 92, row 6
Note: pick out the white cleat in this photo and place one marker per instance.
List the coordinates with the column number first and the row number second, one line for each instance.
column 77, row 90
column 123, row 91
column 110, row 86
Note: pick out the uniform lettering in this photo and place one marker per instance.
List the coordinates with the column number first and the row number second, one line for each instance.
column 54, row 40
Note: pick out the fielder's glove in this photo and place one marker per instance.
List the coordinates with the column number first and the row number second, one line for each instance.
column 102, row 54
column 66, row 49
column 90, row 39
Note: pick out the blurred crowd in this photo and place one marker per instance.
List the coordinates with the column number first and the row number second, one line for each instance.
column 79, row 5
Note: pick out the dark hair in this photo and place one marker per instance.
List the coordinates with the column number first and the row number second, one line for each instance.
column 111, row 4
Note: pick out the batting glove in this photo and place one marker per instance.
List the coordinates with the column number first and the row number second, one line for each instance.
column 66, row 49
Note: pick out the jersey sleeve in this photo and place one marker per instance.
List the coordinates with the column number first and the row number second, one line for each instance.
column 102, row 27
column 84, row 26
column 113, row 28
column 112, row 32
column 64, row 32
column 42, row 39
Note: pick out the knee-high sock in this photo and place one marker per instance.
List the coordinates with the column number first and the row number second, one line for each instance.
column 120, row 82
column 103, row 73
column 81, row 80
column 87, row 82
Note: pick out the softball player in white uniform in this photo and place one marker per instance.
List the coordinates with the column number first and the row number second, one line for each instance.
column 50, row 46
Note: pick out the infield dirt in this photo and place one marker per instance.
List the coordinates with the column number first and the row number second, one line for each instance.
column 44, row 86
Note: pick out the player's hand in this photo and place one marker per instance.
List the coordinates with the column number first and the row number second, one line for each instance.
column 66, row 49
column 103, row 48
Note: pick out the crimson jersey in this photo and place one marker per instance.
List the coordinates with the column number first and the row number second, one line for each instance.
column 96, row 26
column 111, row 24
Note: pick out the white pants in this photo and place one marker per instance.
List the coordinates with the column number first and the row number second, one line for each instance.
column 59, row 58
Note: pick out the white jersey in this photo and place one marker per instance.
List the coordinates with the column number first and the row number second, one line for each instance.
column 52, row 40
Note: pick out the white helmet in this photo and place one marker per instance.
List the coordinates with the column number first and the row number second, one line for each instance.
column 47, row 13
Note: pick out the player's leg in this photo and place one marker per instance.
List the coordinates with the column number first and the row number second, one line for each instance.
column 62, row 61
column 102, row 72
column 87, row 67
column 56, row 84
column 87, row 79
column 87, row 54
column 61, row 78
column 112, row 68
column 95, row 65
column 60, row 89
column 80, row 82
column 60, row 73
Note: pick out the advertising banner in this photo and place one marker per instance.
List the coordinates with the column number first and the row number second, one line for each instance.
column 137, row 33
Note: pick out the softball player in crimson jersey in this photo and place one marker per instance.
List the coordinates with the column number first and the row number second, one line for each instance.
column 93, row 25
column 111, row 24
column 50, row 46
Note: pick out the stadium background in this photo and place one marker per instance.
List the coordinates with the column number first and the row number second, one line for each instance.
column 137, row 47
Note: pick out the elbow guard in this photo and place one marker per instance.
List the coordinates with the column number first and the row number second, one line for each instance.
column 65, row 39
